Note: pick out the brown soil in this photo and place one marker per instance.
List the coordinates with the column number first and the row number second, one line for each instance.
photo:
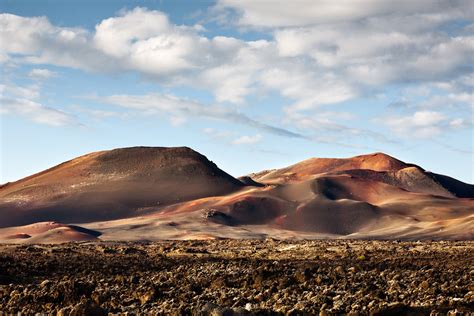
column 238, row 277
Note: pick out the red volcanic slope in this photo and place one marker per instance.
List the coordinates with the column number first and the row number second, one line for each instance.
column 113, row 184
column 367, row 196
column 313, row 166
column 346, row 196
column 49, row 232
column 377, row 167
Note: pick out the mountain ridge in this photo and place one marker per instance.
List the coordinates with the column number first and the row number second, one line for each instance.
column 129, row 193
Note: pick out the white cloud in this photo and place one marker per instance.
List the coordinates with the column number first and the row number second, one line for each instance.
column 361, row 44
column 311, row 61
column 177, row 120
column 28, row 41
column 446, row 101
column 441, row 96
column 306, row 88
column 146, row 41
column 375, row 56
column 424, row 124
column 35, row 40
column 28, row 92
column 247, row 140
column 116, row 36
column 22, row 101
column 35, row 111
column 427, row 118
column 41, row 74
column 237, row 77
column 143, row 41
column 281, row 13
column 324, row 54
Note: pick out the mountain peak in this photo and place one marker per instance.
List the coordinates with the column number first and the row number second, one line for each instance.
column 379, row 161
column 115, row 183
column 310, row 167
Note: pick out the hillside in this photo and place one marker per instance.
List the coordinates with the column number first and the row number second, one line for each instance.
column 113, row 184
column 158, row 193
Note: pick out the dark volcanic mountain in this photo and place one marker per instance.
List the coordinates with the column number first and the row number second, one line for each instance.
column 176, row 193
column 113, row 184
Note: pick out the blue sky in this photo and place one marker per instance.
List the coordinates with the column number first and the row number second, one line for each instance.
column 250, row 84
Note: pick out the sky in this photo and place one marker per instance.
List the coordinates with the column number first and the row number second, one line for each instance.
column 251, row 84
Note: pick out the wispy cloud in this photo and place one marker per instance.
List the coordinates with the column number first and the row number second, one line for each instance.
column 31, row 92
column 327, row 132
column 328, row 127
column 36, row 112
column 247, row 140
column 41, row 74
column 466, row 151
column 98, row 114
column 23, row 101
column 172, row 106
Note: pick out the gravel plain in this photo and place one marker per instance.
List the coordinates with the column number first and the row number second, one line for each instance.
column 239, row 277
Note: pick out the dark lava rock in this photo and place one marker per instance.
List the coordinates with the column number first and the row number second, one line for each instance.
column 239, row 277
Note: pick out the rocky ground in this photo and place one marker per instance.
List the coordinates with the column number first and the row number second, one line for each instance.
column 239, row 277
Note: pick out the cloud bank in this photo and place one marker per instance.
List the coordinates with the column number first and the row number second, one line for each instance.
column 318, row 54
